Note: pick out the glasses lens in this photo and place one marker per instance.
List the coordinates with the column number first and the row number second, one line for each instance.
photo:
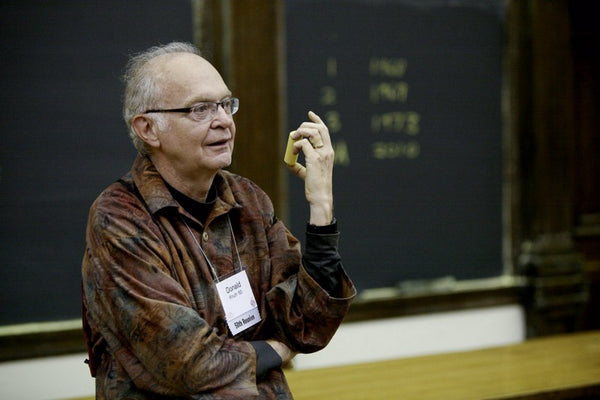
column 231, row 105
column 207, row 110
column 203, row 111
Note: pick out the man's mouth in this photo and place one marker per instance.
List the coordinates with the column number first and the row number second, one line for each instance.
column 219, row 143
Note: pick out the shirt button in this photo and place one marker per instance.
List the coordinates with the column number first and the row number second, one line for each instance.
column 205, row 236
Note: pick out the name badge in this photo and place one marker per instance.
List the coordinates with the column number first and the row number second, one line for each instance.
column 237, row 299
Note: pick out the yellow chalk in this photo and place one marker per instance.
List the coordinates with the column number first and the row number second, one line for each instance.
column 290, row 158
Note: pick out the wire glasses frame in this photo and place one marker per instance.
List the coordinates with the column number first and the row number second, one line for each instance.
column 204, row 110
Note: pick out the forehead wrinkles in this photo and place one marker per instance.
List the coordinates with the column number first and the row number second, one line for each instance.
column 187, row 77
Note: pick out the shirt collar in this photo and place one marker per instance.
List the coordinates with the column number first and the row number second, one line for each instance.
column 157, row 196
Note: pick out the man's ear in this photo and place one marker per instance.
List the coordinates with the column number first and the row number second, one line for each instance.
column 146, row 130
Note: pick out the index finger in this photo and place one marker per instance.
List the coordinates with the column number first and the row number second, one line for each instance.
column 315, row 118
column 319, row 122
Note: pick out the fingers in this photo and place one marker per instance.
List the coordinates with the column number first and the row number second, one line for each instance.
column 322, row 128
column 298, row 169
column 310, row 153
column 315, row 131
column 311, row 134
column 317, row 142
column 311, row 138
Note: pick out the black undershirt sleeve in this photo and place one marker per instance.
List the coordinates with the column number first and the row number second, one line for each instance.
column 266, row 358
column 321, row 258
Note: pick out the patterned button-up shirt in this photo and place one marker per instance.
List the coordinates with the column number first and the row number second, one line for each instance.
column 152, row 317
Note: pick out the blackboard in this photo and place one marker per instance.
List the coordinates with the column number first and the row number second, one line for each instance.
column 411, row 92
column 62, row 135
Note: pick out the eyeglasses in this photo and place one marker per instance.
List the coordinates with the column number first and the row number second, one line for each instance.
column 205, row 110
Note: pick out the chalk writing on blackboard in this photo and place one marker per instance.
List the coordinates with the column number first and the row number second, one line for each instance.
column 400, row 126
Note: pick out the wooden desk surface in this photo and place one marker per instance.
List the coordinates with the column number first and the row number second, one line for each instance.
column 558, row 367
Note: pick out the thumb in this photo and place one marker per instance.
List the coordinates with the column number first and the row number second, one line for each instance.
column 298, row 169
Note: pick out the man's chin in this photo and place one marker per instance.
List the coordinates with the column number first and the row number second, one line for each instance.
column 217, row 157
column 222, row 161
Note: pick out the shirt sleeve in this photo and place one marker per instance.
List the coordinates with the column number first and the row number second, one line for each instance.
column 306, row 309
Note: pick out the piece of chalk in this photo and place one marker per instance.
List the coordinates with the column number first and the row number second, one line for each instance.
column 290, row 158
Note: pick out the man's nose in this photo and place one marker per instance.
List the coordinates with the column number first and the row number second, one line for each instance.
column 222, row 115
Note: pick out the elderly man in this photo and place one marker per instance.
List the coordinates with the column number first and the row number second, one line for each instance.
column 192, row 288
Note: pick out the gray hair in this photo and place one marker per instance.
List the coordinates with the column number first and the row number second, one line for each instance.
column 142, row 90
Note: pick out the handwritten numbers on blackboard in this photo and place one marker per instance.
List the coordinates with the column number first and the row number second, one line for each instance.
column 388, row 67
column 328, row 96
column 390, row 90
column 342, row 155
column 388, row 150
column 333, row 119
column 393, row 128
column 406, row 122
column 331, row 67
